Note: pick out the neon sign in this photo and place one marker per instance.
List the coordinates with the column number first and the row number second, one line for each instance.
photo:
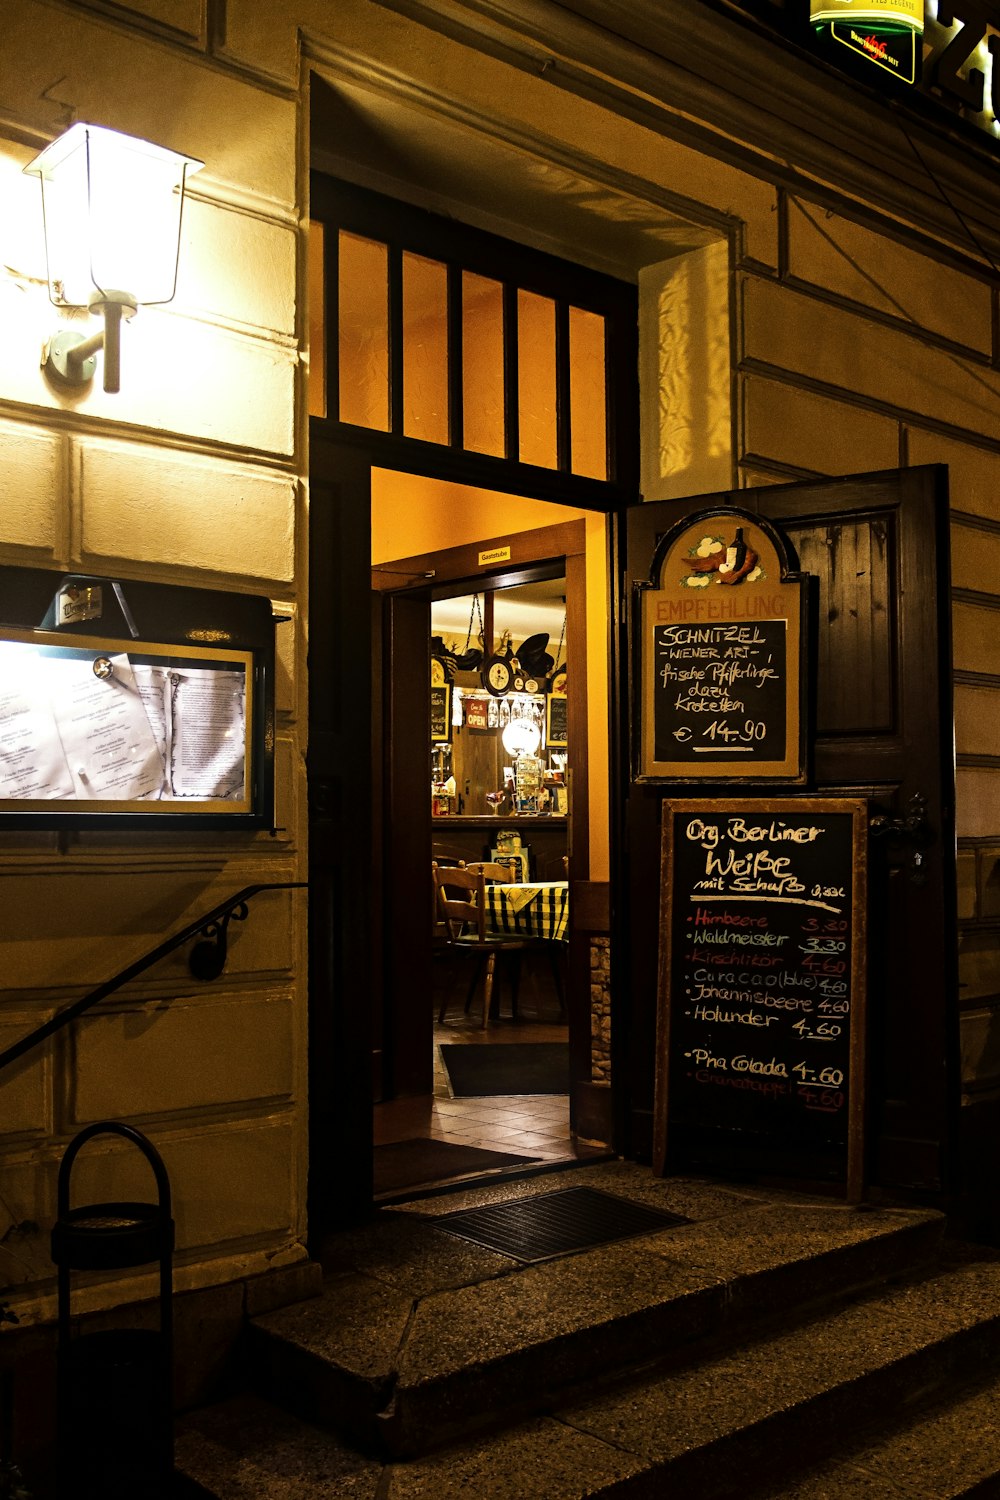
column 884, row 33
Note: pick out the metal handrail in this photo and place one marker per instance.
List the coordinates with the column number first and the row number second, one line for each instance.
column 212, row 926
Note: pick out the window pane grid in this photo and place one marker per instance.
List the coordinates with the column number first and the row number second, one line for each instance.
column 430, row 350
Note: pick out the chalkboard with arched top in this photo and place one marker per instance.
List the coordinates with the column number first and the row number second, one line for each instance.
column 719, row 658
column 761, row 1021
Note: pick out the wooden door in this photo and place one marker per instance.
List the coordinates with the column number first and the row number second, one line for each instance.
column 880, row 687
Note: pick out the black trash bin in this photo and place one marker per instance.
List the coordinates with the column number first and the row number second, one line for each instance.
column 114, row 1413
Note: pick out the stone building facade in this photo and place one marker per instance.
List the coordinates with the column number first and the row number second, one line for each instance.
column 818, row 296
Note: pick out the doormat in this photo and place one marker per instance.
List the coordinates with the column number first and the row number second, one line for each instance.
column 490, row 1068
column 538, row 1228
column 406, row 1164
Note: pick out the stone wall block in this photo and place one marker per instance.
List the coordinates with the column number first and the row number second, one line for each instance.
column 975, row 639
column 237, row 267
column 977, row 797
column 968, row 886
column 181, row 1055
column 183, row 376
column 184, row 16
column 289, row 774
column 26, row 1085
column 27, row 1210
column 809, row 337
column 142, row 504
column 178, row 375
column 285, row 658
column 973, row 473
column 799, row 428
column 72, row 932
column 975, row 559
column 32, row 488
column 988, row 861
column 245, row 135
column 980, row 1047
column 976, row 713
column 874, row 271
column 227, row 1182
column 979, row 964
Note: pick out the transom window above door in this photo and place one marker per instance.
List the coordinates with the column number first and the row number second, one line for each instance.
column 427, row 332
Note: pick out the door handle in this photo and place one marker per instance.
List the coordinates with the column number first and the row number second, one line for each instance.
column 912, row 828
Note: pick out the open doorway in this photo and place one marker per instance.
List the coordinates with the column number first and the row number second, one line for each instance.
column 499, row 782
column 502, row 776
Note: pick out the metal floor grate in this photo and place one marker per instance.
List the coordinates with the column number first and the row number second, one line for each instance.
column 530, row 1229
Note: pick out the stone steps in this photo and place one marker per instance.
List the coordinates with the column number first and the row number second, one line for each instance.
column 733, row 1423
column 422, row 1338
column 680, row 1362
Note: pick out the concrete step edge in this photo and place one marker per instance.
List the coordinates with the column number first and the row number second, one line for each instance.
column 389, row 1411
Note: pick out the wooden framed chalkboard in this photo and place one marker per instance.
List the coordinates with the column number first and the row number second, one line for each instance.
column 440, row 712
column 761, row 1019
column 556, row 719
column 719, row 656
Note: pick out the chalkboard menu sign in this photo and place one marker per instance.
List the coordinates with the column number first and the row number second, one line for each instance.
column 556, row 719
column 761, row 1021
column 719, row 655
column 440, row 712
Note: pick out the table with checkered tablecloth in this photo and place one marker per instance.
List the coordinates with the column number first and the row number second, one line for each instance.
column 539, row 909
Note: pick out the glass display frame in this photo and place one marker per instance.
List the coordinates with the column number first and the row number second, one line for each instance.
column 104, row 723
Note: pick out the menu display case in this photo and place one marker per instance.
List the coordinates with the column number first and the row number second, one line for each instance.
column 126, row 703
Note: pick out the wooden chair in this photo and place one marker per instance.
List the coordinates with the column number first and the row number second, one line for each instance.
column 504, row 873
column 461, row 900
column 497, row 872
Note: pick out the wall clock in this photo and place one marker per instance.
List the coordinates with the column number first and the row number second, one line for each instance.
column 498, row 675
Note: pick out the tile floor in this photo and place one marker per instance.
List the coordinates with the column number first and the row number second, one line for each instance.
column 528, row 1124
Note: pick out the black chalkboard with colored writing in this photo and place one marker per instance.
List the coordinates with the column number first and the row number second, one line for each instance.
column 761, row 1021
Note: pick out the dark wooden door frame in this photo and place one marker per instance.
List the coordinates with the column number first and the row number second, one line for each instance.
column 347, row 800
column 345, row 819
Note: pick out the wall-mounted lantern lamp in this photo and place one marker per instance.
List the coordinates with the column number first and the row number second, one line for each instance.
column 111, row 208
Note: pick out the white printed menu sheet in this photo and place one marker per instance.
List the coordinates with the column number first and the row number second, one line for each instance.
column 105, row 733
column 76, row 725
column 32, row 761
column 208, row 737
